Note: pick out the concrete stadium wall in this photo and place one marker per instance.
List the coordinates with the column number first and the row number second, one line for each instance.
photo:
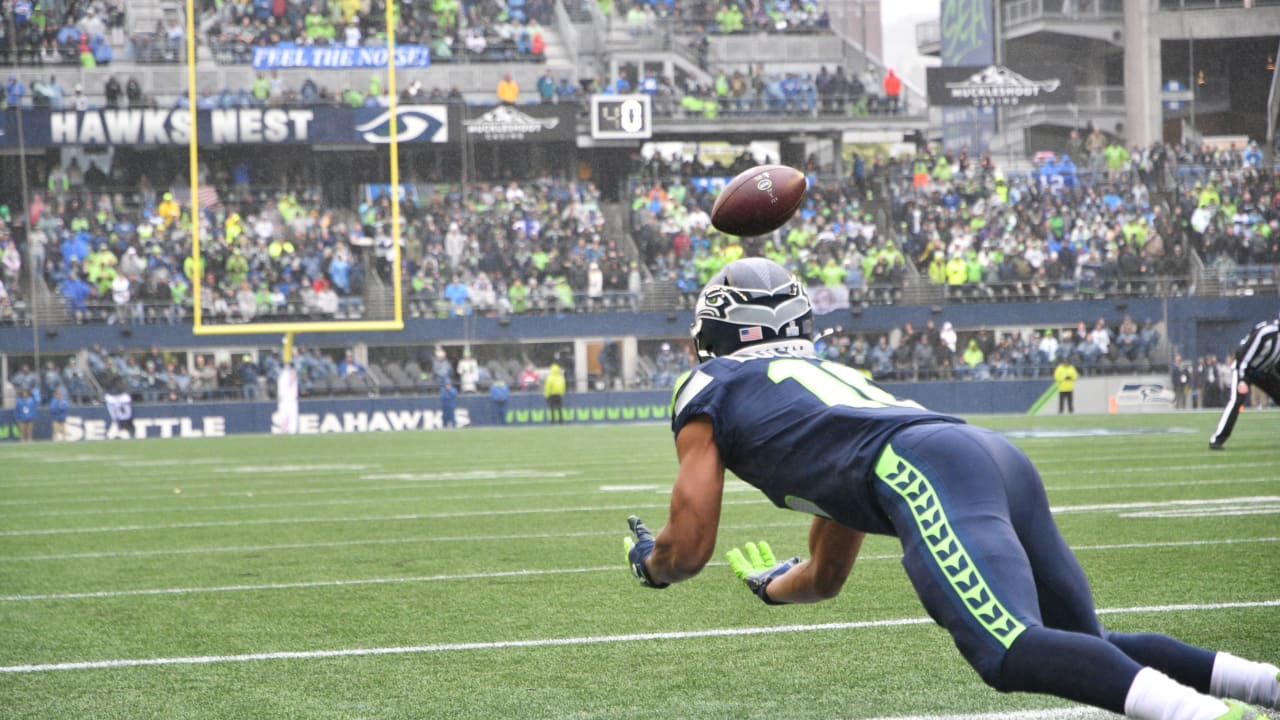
column 1128, row 393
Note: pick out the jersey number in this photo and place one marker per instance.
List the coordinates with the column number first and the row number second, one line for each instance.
column 834, row 384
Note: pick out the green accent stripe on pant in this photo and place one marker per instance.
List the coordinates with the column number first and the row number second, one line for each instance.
column 947, row 552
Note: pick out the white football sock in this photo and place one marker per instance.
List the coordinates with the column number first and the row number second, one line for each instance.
column 1156, row 696
column 1240, row 679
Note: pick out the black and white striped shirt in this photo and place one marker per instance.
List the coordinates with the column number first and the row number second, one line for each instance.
column 1259, row 351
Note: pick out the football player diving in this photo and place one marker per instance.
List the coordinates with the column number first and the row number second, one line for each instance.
column 979, row 543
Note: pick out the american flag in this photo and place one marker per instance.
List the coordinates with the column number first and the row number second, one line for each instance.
column 750, row 334
column 208, row 196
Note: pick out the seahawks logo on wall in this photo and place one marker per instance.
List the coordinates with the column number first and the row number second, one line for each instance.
column 417, row 123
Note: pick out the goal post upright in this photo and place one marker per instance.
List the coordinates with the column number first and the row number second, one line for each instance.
column 393, row 94
column 199, row 327
column 193, row 166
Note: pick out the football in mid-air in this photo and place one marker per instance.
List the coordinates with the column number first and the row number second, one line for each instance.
column 759, row 200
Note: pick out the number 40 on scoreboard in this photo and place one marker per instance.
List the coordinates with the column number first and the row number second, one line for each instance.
column 621, row 117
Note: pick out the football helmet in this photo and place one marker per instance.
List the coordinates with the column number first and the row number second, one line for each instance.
column 750, row 301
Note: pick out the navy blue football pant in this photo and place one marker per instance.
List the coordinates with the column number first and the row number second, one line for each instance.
column 985, row 557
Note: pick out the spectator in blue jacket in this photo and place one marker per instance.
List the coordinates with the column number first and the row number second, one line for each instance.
column 448, row 405
column 499, row 393
column 25, row 413
column 566, row 90
column 77, row 292
column 59, row 406
column 349, row 365
column 249, row 378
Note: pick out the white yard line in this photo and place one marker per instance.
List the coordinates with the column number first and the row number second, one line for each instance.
column 373, row 541
column 1074, row 712
column 620, row 568
column 167, row 497
column 366, row 519
column 1189, row 482
column 1138, row 469
column 412, row 482
column 99, row 594
column 555, row 642
column 124, row 481
column 259, row 489
column 254, row 549
column 127, row 481
column 191, row 508
column 1246, row 502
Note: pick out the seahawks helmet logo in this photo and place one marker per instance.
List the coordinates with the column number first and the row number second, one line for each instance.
column 716, row 301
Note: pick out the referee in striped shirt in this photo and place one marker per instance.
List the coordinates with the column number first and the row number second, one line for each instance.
column 1257, row 363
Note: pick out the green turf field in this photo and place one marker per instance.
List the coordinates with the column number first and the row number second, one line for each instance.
column 478, row 573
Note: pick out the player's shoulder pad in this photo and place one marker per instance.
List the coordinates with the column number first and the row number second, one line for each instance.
column 687, row 387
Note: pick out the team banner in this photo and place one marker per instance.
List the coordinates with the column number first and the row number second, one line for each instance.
column 154, row 421
column 158, row 421
column 232, row 126
column 516, row 123
column 968, row 38
column 337, row 57
column 996, row 85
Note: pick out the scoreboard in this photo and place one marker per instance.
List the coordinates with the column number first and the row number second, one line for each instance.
column 621, row 117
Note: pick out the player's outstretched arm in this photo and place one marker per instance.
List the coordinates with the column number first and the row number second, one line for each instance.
column 832, row 550
column 685, row 544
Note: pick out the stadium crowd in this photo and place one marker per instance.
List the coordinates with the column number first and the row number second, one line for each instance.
column 67, row 32
column 512, row 247
column 736, row 16
column 181, row 376
column 1128, row 224
column 957, row 223
column 1101, row 220
column 452, row 30
column 77, row 32
column 750, row 91
column 935, row 352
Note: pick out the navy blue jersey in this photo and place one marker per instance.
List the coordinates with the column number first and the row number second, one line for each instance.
column 806, row 432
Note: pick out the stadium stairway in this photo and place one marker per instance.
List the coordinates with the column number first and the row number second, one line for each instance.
column 1206, row 279
column 146, row 16
column 660, row 295
column 615, row 227
column 660, row 47
column 917, row 290
column 379, row 297
column 50, row 308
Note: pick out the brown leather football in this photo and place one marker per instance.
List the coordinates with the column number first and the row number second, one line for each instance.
column 759, row 200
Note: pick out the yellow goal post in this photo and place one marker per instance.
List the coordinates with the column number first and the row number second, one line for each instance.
column 200, row 327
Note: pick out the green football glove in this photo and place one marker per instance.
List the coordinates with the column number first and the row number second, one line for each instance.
column 757, row 567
